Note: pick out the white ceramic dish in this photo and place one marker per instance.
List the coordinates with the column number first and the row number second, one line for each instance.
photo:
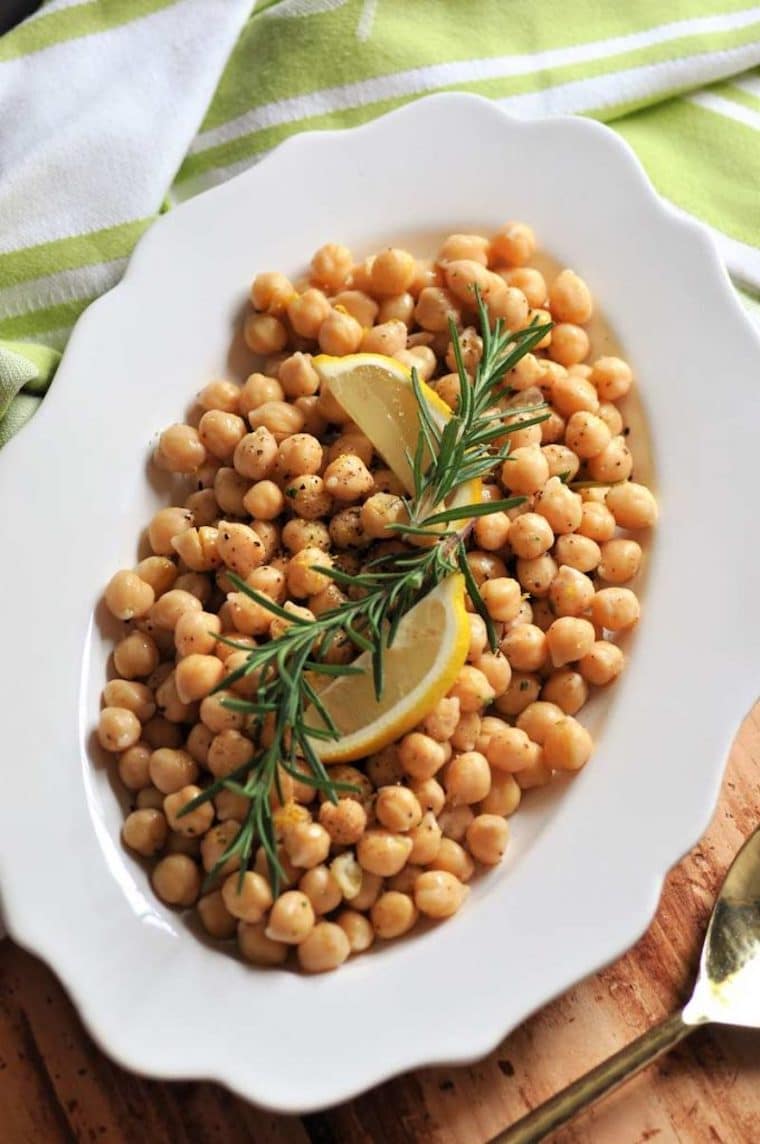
column 584, row 871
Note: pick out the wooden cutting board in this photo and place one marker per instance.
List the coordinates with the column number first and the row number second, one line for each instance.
column 56, row 1086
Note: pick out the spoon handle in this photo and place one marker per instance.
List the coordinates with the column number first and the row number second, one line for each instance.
column 596, row 1083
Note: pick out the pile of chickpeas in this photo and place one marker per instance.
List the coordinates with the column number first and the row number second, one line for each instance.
column 273, row 479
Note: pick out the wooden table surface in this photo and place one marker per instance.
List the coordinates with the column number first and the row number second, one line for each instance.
column 56, row 1086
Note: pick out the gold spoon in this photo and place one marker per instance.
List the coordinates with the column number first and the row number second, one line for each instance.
column 727, row 992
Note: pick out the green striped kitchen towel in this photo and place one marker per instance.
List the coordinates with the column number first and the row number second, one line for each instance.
column 109, row 109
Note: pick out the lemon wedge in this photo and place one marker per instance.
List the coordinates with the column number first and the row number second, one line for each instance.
column 377, row 393
column 419, row 668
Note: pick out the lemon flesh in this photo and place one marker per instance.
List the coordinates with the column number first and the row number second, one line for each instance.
column 419, row 668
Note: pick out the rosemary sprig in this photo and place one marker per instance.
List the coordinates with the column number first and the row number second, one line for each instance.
column 449, row 455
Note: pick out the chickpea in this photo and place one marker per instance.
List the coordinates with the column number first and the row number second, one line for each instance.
column 193, row 823
column 215, row 918
column 221, row 432
column 571, row 592
column 612, row 378
column 194, row 584
column 292, row 918
column 448, row 389
column 347, row 478
column 397, row 809
column 279, row 625
column 331, row 266
column 271, row 291
column 463, row 275
column 537, row 718
column 426, row 840
column 357, row 929
column 567, row 689
column 453, row 859
column 612, row 418
column 340, row 334
column 325, row 948
column 435, row 306
column 454, row 821
column 470, row 246
column 587, row 434
column 307, row 844
column 614, row 463
column 217, row 717
column 615, row 609
column 562, row 462
column 196, row 675
column 577, row 551
column 307, row 312
column 215, row 843
column 523, row 689
column 530, row 535
column 256, row 947
column 396, row 308
column 176, row 880
column 388, row 338
column 574, row 394
column 198, row 743
column 158, row 571
column 525, row 470
column 258, row 390
column 169, row 608
column 472, row 689
column 135, row 697
column 632, row 506
column 393, row 915
column 536, row 576
column 382, row 852
column 504, row 795
column 346, row 529
column 441, row 722
column 621, row 560
column 496, row 669
column 568, row 745
column 492, row 531
column 430, row 795
column 128, row 596
column 487, row 838
column 379, row 511
column 485, row 566
column 467, row 778
column 570, row 344
column 513, row 245
column 196, row 632
column 248, row 616
column 478, row 637
column 509, row 304
column 520, row 438
column 439, row 894
column 133, row 766
column 144, row 831
column 561, row 507
column 165, row 525
column 510, row 749
column 136, row 655
column 570, row 298
column 525, row 647
column 230, row 489
column 345, row 821
column 118, row 728
column 220, row 394
column 247, row 898
column 171, row 769
column 279, row 417
column 537, row 775
column 308, row 497
column 465, row 734
column 530, row 281
column 421, row 358
column 602, row 664
column 264, row 334
column 597, row 522
column 149, row 799
column 392, row 272
column 302, row 577
column 159, row 732
column 570, row 638
column 322, row 889
column 360, row 306
column 255, row 454
column 502, row 598
column 552, row 428
column 180, row 449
